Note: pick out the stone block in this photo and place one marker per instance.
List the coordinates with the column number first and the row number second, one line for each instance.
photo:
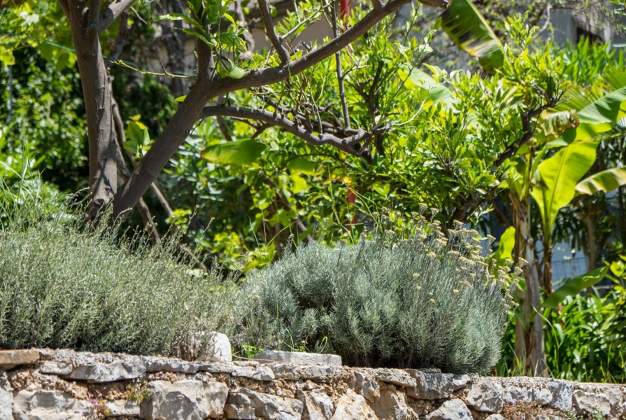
column 12, row 358
column 121, row 370
column 352, row 406
column 50, row 405
column 451, row 410
column 317, row 405
column 298, row 358
column 185, row 400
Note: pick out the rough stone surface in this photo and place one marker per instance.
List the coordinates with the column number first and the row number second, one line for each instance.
column 486, row 396
column 50, row 405
column 315, row 373
column 209, row 346
column 186, row 399
column 274, row 407
column 260, row 373
column 298, row 358
column 6, row 397
column 367, row 386
column 436, row 385
column 392, row 405
column 121, row 408
column 11, row 358
column 396, row 377
column 317, row 405
column 130, row 368
column 451, row 410
column 352, row 406
column 64, row 384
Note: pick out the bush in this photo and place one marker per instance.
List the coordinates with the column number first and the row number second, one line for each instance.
column 418, row 302
column 62, row 285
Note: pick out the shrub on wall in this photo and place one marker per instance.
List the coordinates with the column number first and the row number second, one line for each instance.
column 64, row 285
column 418, row 302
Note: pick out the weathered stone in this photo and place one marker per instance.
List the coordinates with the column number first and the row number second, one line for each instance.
column 162, row 364
column 494, row 417
column 6, row 397
column 486, row 395
column 121, row 370
column 562, row 393
column 590, row 404
column 121, row 408
column 11, row 358
column 435, row 385
column 317, row 405
column 274, row 407
column 298, row 358
column 207, row 346
column 239, row 406
column 396, row 377
column 392, row 405
column 512, row 395
column 315, row 373
column 367, row 386
column 50, row 405
column 217, row 367
column 352, row 406
column 260, row 373
column 186, row 399
column 451, row 410
column 56, row 368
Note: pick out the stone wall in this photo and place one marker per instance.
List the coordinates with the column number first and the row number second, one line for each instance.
column 63, row 384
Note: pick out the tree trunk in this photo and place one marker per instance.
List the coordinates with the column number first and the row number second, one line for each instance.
column 98, row 101
column 529, row 339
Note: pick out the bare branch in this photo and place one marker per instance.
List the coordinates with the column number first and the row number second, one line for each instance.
column 347, row 144
column 342, row 91
column 112, row 12
column 271, row 32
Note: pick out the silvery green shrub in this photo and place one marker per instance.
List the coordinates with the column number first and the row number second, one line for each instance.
column 64, row 285
column 425, row 301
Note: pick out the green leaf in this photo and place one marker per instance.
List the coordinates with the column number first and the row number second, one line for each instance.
column 506, row 245
column 558, row 176
column 574, row 286
column 470, row 31
column 300, row 165
column 241, row 152
column 605, row 181
column 236, row 72
column 432, row 89
column 599, row 117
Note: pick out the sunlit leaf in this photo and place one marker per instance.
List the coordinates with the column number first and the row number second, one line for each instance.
column 605, row 181
column 470, row 31
column 573, row 286
column 242, row 152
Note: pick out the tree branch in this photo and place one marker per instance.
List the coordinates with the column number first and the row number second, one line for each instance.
column 190, row 110
column 112, row 12
column 271, row 32
column 271, row 75
column 346, row 144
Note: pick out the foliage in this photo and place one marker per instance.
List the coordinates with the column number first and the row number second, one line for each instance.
column 64, row 285
column 423, row 301
column 584, row 338
column 43, row 127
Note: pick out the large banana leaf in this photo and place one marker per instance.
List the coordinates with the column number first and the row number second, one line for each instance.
column 429, row 88
column 574, row 285
column 598, row 117
column 606, row 181
column 558, row 176
column 470, row 31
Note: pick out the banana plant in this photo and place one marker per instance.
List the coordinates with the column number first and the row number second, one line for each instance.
column 556, row 179
column 604, row 181
column 470, row 31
